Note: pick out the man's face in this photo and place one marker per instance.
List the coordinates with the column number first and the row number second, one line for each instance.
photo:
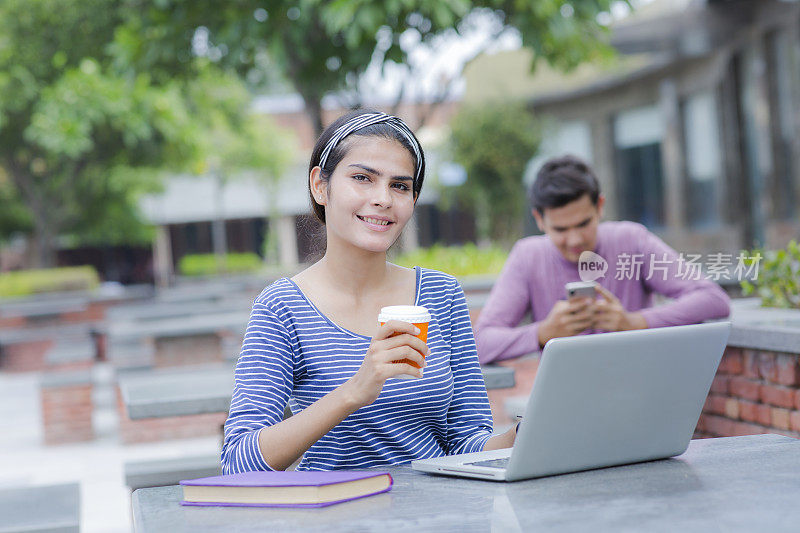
column 572, row 228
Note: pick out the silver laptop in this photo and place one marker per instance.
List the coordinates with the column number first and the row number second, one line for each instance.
column 604, row 400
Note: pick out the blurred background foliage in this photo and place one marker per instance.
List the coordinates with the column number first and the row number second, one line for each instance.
column 466, row 260
column 778, row 280
column 494, row 142
column 37, row 281
column 318, row 47
column 195, row 265
column 85, row 128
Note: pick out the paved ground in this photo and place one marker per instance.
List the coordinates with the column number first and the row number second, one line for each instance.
column 97, row 465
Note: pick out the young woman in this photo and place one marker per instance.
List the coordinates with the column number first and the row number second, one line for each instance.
column 314, row 341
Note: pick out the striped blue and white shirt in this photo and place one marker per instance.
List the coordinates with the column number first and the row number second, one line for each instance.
column 292, row 352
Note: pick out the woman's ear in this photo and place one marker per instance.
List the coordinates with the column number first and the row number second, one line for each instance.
column 319, row 187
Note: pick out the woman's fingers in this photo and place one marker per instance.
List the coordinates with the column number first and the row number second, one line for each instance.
column 405, row 369
column 400, row 353
column 394, row 327
column 404, row 340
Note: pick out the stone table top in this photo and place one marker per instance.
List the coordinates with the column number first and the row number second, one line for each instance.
column 764, row 328
column 154, row 394
column 48, row 508
column 727, row 484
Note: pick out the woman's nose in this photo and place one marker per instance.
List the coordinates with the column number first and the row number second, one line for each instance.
column 382, row 196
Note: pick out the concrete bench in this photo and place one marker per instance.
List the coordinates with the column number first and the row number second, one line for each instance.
column 72, row 353
column 195, row 339
column 49, row 508
column 158, row 310
column 35, row 349
column 161, row 472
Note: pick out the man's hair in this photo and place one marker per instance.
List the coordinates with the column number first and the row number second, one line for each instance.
column 562, row 180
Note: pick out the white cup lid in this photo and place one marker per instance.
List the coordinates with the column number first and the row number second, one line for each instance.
column 415, row 314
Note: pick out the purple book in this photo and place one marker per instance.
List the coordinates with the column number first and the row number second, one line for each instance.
column 284, row 489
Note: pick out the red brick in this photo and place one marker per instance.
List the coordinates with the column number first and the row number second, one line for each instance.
column 731, row 408
column 750, row 364
column 731, row 362
column 720, row 384
column 780, row 418
column 777, row 395
column 701, row 425
column 719, row 426
column 788, row 369
column 743, row 428
column 755, row 412
column 794, row 420
column 744, row 388
column 715, row 404
column 767, row 368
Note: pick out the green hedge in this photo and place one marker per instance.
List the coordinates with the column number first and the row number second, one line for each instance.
column 466, row 260
column 27, row 282
column 778, row 281
column 207, row 265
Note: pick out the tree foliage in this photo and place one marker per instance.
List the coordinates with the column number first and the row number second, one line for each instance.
column 494, row 143
column 322, row 46
column 85, row 127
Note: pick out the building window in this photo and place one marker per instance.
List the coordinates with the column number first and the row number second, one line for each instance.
column 703, row 159
column 640, row 182
column 572, row 137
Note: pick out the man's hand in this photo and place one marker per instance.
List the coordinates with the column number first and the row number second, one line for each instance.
column 611, row 316
column 567, row 318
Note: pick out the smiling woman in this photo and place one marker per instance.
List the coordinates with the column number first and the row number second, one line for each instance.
column 314, row 340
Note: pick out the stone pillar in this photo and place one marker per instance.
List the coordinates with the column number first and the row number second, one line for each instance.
column 162, row 257
column 603, row 163
column 287, row 240
column 672, row 155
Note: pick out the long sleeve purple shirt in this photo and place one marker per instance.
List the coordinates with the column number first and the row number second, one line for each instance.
column 534, row 275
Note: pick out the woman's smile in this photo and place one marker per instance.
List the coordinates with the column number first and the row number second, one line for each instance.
column 376, row 223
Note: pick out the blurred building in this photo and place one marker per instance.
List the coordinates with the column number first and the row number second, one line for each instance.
column 692, row 129
column 195, row 213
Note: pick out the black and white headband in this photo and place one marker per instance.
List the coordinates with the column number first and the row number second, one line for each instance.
column 368, row 119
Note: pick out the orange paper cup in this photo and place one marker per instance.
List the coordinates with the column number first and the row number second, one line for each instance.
column 413, row 314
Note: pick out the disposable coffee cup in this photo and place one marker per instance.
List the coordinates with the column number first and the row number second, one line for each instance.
column 413, row 314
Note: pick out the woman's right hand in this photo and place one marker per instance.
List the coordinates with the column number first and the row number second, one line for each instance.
column 394, row 341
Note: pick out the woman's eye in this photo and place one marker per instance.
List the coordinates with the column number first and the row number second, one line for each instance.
column 402, row 186
column 360, row 177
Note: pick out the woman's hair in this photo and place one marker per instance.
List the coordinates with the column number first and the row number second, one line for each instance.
column 562, row 180
column 382, row 125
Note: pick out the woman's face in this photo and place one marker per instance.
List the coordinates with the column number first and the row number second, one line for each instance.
column 369, row 197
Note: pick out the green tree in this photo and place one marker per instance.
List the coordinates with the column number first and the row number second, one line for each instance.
column 322, row 46
column 84, row 129
column 494, row 144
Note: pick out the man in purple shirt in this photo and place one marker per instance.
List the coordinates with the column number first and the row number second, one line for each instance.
column 568, row 206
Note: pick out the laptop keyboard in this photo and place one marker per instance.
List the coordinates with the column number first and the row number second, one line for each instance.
column 493, row 463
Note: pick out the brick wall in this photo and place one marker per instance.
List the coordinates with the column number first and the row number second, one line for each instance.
column 753, row 392
column 27, row 356
column 67, row 408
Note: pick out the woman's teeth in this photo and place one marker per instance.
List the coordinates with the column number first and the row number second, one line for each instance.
column 375, row 221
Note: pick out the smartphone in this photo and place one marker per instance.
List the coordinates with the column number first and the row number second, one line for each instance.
column 581, row 289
